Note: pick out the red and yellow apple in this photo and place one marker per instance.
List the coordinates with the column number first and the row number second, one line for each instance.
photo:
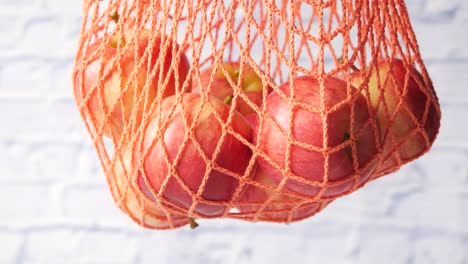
column 119, row 73
column 316, row 130
column 262, row 202
column 187, row 157
column 406, row 109
column 220, row 87
column 131, row 200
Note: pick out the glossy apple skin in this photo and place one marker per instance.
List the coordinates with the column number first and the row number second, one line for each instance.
column 279, row 207
column 191, row 167
column 251, row 85
column 403, row 125
column 120, row 84
column 134, row 203
column 307, row 128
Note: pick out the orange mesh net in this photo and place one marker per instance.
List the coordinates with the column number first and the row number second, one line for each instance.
column 259, row 110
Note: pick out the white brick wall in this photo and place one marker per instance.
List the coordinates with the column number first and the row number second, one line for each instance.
column 56, row 208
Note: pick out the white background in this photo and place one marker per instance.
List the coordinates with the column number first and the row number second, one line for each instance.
column 55, row 206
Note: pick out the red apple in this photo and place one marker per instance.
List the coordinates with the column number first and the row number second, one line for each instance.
column 280, row 208
column 178, row 159
column 305, row 172
column 251, row 85
column 120, row 88
column 131, row 200
column 252, row 119
column 406, row 108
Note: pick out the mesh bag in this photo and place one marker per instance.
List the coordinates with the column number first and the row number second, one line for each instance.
column 254, row 110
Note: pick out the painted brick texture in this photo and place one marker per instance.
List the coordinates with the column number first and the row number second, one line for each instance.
column 55, row 206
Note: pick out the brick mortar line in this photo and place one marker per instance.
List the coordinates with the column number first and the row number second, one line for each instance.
column 104, row 226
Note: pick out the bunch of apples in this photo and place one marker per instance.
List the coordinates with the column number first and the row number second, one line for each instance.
column 226, row 139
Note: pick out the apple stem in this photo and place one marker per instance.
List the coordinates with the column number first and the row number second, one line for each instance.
column 353, row 67
column 348, row 149
column 228, row 99
column 115, row 16
column 114, row 43
column 193, row 223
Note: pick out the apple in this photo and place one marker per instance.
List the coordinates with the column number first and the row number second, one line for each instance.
column 126, row 79
column 181, row 141
column 406, row 108
column 305, row 172
column 280, row 208
column 134, row 203
column 250, row 83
